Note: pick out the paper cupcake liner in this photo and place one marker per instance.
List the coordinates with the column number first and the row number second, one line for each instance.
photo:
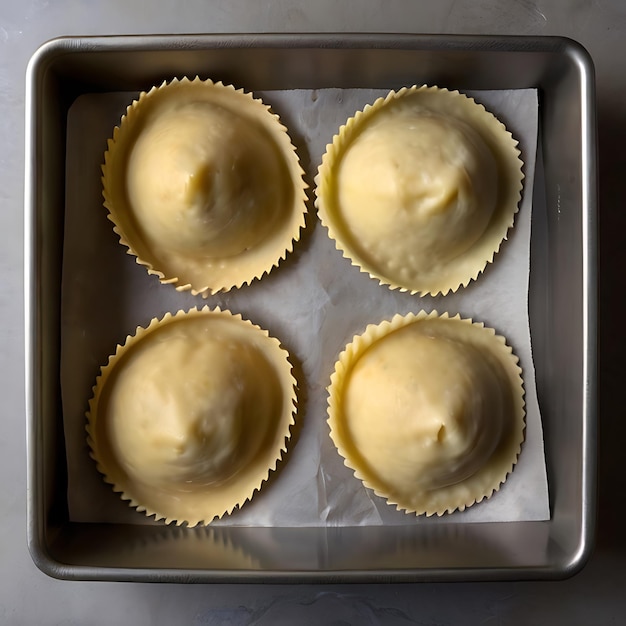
column 486, row 478
column 394, row 272
column 202, row 271
column 169, row 465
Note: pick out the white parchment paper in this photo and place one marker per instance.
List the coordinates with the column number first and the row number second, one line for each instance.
column 314, row 303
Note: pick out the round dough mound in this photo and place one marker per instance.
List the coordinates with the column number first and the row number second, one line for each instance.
column 428, row 411
column 199, row 181
column 416, row 186
column 191, row 414
column 203, row 185
column 420, row 188
column 424, row 411
column 182, row 411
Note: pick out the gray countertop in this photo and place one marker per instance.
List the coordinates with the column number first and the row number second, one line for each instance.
column 595, row 596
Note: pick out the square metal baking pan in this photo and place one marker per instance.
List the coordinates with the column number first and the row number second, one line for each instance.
column 562, row 309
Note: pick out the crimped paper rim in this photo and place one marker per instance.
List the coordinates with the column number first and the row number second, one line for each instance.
column 253, row 481
column 224, row 273
column 482, row 485
column 466, row 267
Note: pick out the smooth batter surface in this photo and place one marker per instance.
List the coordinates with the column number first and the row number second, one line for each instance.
column 416, row 189
column 420, row 188
column 190, row 418
column 203, row 180
column 204, row 186
column 428, row 412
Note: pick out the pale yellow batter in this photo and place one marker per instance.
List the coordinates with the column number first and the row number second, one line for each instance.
column 428, row 411
column 192, row 414
column 204, row 186
column 415, row 189
column 420, row 188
